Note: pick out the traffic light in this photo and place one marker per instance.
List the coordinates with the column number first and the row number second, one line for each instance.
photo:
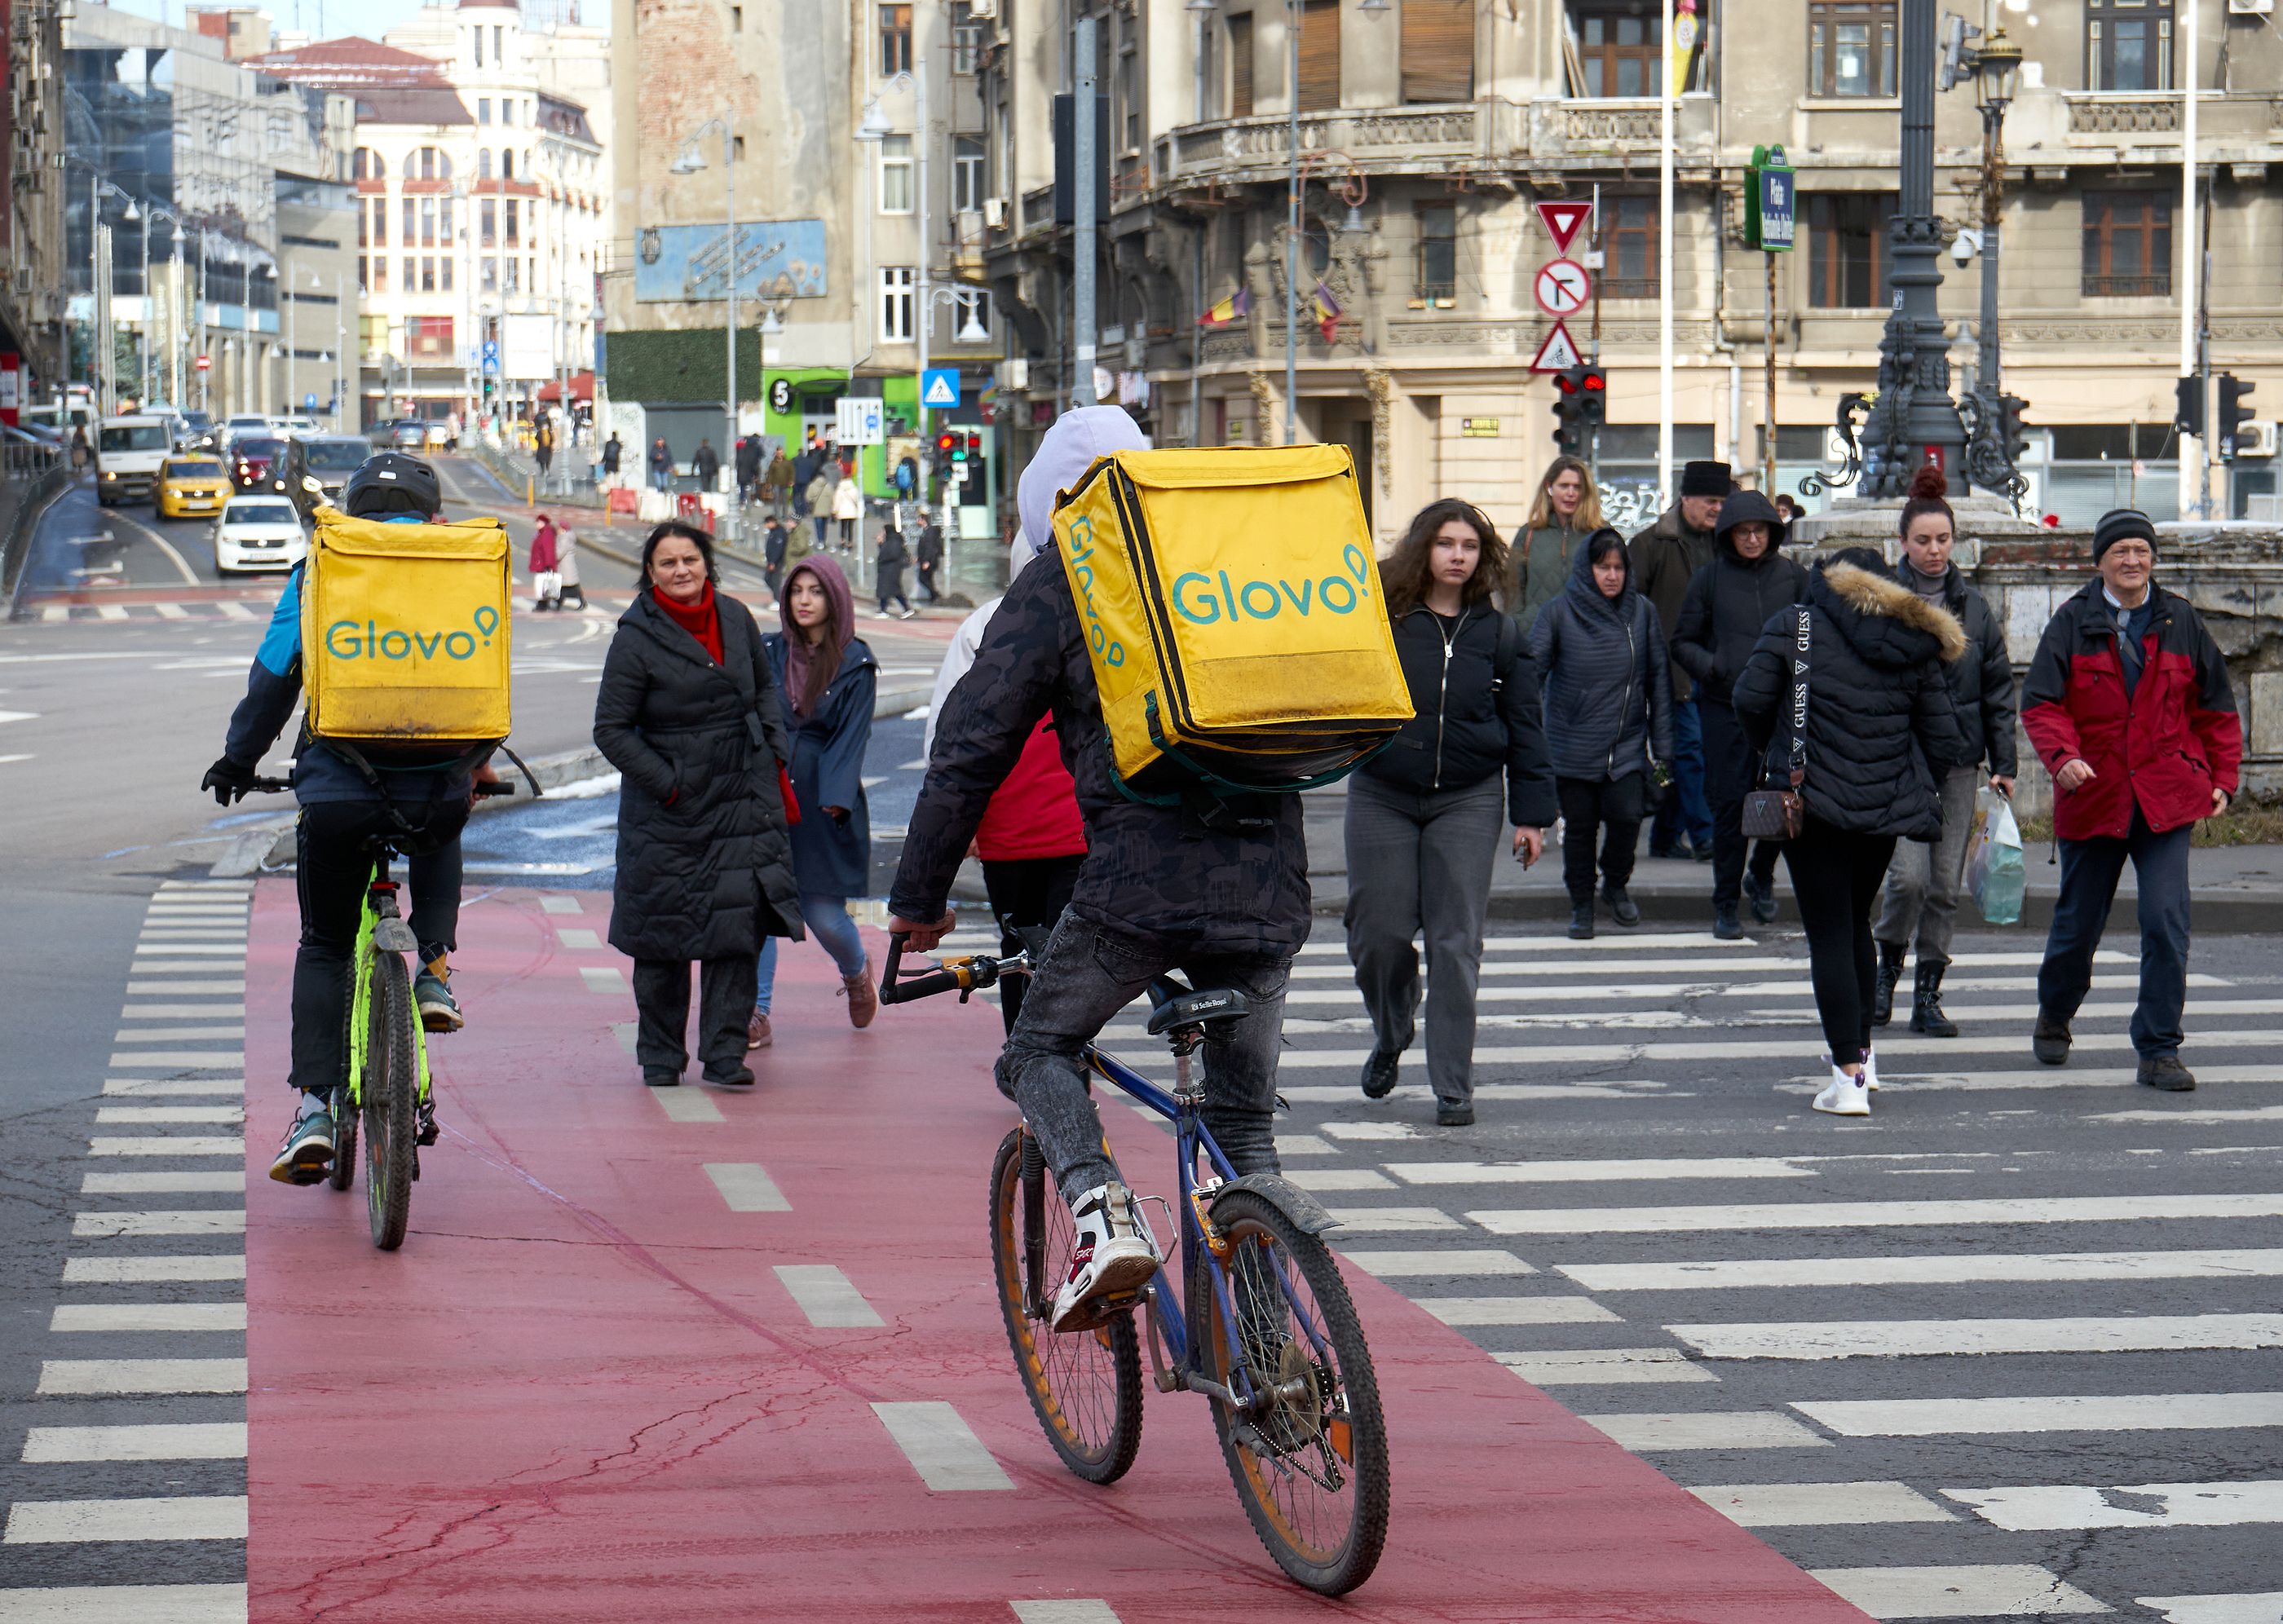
column 1569, row 410
column 2188, row 411
column 2013, row 433
column 2234, row 411
column 1594, row 398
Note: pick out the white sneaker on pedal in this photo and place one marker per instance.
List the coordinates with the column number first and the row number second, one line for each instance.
column 1113, row 1255
column 1846, row 1096
column 1871, row 1070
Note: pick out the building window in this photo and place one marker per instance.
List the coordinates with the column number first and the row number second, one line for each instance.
column 895, row 174
column 514, row 275
column 427, row 223
column 971, row 315
column 380, row 222
column 364, row 275
column 507, row 163
column 1129, row 98
column 444, row 220
column 428, row 337
column 1629, row 225
column 507, row 111
column 365, row 165
column 514, row 237
column 966, row 38
column 2128, row 44
column 2128, row 244
column 1240, row 66
column 484, row 164
column 969, row 176
column 407, row 284
column 427, row 273
column 1620, row 47
column 364, row 230
column 491, row 275
column 1851, row 47
column 499, row 45
column 444, row 274
column 483, row 110
column 488, row 223
column 1320, row 56
column 380, row 273
column 478, row 34
column 736, row 20
column 898, row 285
column 1437, row 283
column 895, row 40
column 1847, row 253
column 408, row 217
column 1438, row 51
column 737, row 148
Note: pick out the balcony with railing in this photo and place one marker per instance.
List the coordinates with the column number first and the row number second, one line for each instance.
column 1422, row 139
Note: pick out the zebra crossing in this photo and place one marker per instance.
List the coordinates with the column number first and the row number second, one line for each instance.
column 254, row 608
column 2005, row 1349
column 128, row 1503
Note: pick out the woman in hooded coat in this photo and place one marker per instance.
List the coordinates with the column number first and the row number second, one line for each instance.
column 1881, row 729
column 688, row 712
column 827, row 677
column 1608, row 709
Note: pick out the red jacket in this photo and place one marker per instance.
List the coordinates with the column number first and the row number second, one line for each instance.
column 1034, row 811
column 2165, row 749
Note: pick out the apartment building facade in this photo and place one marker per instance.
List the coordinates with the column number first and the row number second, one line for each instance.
column 1428, row 129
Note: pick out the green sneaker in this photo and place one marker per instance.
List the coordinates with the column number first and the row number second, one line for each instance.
column 307, row 1152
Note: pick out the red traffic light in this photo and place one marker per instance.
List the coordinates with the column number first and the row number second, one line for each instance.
column 1594, row 380
column 945, row 441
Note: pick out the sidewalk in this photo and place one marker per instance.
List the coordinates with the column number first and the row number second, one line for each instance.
column 2237, row 889
column 587, row 1389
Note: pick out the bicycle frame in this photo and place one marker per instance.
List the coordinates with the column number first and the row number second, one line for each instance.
column 377, row 886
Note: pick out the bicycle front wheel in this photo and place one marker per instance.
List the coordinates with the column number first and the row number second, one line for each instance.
column 1310, row 1463
column 1085, row 1385
column 392, row 1088
column 343, row 1173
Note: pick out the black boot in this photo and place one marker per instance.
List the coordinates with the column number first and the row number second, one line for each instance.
column 1724, row 925
column 1890, row 971
column 1623, row 908
column 1926, row 1003
column 1581, row 922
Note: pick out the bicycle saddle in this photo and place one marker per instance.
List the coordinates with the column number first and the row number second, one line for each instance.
column 1200, row 1008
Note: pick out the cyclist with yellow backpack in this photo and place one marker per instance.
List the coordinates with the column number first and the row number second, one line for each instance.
column 350, row 796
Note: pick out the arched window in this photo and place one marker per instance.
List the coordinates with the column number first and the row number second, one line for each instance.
column 366, row 165
column 434, row 165
column 484, row 164
column 507, row 163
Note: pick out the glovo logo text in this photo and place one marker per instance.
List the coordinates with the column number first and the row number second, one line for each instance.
column 1203, row 600
column 1107, row 649
column 345, row 639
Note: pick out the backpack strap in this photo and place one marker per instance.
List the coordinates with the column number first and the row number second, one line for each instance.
column 1509, row 640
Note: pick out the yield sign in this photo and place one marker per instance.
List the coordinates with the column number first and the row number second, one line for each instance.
column 1556, row 352
column 1562, row 219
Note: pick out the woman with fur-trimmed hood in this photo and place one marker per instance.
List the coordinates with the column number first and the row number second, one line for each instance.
column 1881, row 730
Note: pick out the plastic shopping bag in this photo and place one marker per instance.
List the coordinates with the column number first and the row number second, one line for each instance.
column 1994, row 869
column 546, row 586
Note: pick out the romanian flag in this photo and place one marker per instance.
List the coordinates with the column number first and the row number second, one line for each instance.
column 1327, row 312
column 1222, row 314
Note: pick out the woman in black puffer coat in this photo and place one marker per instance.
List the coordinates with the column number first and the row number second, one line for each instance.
column 688, row 713
column 1726, row 605
column 1880, row 731
column 1609, row 707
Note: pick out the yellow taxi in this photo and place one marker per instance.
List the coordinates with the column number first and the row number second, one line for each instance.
column 191, row 484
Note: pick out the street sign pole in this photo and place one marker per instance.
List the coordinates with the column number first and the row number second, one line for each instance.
column 1770, row 224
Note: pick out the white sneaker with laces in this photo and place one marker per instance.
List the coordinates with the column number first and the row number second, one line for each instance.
column 1846, row 1096
column 1871, row 1070
column 1113, row 1253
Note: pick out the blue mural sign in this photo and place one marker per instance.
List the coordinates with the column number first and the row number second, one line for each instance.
column 776, row 259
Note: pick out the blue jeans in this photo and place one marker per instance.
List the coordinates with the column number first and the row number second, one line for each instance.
column 661, row 479
column 1685, row 810
column 828, row 920
column 2090, row 871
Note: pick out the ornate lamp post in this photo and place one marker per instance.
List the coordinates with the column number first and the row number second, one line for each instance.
column 1990, row 455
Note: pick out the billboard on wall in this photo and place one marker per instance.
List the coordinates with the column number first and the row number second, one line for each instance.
column 526, row 347
column 778, row 258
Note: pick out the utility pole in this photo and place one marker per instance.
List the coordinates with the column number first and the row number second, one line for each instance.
column 1293, row 15
column 2191, row 259
column 1083, row 205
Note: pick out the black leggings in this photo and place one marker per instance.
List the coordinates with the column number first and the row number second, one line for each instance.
column 1835, row 876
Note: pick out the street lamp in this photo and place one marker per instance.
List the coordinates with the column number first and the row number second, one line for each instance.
column 690, row 160
column 1997, row 68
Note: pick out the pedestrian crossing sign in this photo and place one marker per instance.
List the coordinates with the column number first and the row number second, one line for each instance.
column 940, row 388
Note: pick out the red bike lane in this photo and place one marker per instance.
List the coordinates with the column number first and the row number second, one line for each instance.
column 584, row 1391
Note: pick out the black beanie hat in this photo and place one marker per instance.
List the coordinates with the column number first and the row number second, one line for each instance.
column 1706, row 478
column 2117, row 524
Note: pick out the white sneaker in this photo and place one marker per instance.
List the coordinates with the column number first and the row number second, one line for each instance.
column 1871, row 1070
column 1113, row 1256
column 1845, row 1097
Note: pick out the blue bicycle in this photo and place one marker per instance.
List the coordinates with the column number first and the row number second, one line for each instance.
column 1262, row 1325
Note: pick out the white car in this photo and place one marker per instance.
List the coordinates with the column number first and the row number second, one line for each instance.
column 258, row 532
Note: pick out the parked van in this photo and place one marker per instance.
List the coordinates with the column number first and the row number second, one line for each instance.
column 127, row 452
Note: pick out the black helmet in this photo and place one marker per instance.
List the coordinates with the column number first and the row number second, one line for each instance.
column 390, row 482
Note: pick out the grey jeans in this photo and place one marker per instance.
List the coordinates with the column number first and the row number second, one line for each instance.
column 1419, row 864
column 1090, row 972
column 1922, row 881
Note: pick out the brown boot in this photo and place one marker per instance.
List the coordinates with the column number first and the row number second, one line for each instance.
column 758, row 1035
column 863, row 999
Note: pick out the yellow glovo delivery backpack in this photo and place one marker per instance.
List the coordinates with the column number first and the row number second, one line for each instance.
column 1233, row 615
column 404, row 639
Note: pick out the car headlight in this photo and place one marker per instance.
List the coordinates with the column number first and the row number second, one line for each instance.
column 109, row 474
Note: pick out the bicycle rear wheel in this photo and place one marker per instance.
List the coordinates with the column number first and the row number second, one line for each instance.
column 1310, row 1466
column 391, row 1087
column 343, row 1173
column 1085, row 1385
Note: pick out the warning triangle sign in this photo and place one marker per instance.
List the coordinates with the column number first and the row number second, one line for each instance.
column 1563, row 218
column 940, row 391
column 1556, row 352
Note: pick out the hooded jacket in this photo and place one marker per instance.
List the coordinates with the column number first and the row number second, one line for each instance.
column 2161, row 750
column 1881, row 725
column 703, row 867
column 1470, row 717
column 1729, row 601
column 832, row 855
column 1665, row 558
column 1608, row 685
column 1152, row 871
column 1982, row 682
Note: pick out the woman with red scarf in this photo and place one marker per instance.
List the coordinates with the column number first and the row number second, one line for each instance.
column 688, row 713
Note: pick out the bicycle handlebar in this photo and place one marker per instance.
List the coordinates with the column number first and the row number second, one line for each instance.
column 964, row 975
column 270, row 786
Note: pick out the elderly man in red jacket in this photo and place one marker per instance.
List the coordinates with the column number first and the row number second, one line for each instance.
column 2127, row 705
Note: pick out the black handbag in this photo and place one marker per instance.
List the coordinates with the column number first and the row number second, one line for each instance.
column 1777, row 812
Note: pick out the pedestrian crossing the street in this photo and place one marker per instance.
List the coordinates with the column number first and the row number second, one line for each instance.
column 127, row 1503
column 2007, row 1349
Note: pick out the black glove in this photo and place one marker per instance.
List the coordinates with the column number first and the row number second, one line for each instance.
column 227, row 780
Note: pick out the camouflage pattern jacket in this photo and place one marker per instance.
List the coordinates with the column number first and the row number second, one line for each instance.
column 1149, row 870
